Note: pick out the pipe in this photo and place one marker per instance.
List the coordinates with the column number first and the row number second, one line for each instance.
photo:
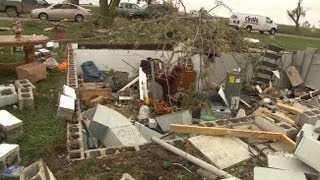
column 192, row 159
column 130, row 84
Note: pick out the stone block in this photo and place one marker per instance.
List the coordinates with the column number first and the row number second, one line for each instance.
column 11, row 125
column 280, row 127
column 37, row 170
column 66, row 107
column 124, row 136
column 308, row 117
column 32, row 71
column 8, row 95
column 182, row 117
column 9, row 155
column 26, row 98
column 308, row 146
column 23, row 83
column 291, row 163
column 261, row 173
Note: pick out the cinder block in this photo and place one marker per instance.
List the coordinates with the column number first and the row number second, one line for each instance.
column 33, row 71
column 37, row 170
column 309, row 117
column 182, row 117
column 23, row 83
column 66, row 107
column 8, row 95
column 308, row 146
column 75, row 144
column 11, row 125
column 124, row 136
column 26, row 98
column 9, row 155
column 281, row 127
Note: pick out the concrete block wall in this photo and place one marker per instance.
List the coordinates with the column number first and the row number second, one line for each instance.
column 72, row 78
column 103, row 152
column 26, row 98
column 309, row 117
column 75, row 144
column 228, row 123
column 37, row 170
column 23, row 83
column 8, row 95
column 281, row 127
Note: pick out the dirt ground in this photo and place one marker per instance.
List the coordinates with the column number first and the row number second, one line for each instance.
column 146, row 164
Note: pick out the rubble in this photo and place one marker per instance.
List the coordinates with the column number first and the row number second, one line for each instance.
column 9, row 155
column 182, row 117
column 37, row 170
column 8, row 95
column 261, row 173
column 11, row 126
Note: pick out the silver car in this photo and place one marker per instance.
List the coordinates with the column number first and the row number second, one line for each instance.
column 62, row 11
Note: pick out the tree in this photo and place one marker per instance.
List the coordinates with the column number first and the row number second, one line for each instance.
column 296, row 14
column 108, row 11
column 306, row 24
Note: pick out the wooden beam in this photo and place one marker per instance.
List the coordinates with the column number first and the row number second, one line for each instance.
column 241, row 133
column 289, row 108
column 291, row 145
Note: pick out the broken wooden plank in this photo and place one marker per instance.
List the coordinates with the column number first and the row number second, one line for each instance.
column 294, row 76
column 245, row 103
column 277, row 115
column 241, row 133
column 291, row 145
column 289, row 108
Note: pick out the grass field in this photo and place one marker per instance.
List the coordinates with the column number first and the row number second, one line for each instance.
column 309, row 32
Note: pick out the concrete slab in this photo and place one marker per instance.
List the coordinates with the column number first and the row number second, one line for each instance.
column 224, row 152
column 307, row 62
column 317, row 127
column 88, row 114
column 110, row 118
column 312, row 78
column 294, row 76
column 182, row 117
column 261, row 173
column 308, row 147
column 67, row 102
column 146, row 132
column 124, row 136
column 69, row 91
column 298, row 60
column 290, row 163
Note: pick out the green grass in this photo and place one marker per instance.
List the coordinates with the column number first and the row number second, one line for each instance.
column 6, row 56
column 288, row 43
column 303, row 31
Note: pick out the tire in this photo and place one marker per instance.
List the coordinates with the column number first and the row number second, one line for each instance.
column 12, row 12
column 79, row 18
column 43, row 16
column 249, row 29
column 272, row 31
column 261, row 32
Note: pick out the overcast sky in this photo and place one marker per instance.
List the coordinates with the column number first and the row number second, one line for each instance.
column 275, row 9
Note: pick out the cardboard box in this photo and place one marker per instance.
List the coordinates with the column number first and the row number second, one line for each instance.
column 33, row 72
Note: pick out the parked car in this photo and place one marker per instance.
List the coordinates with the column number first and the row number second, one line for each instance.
column 66, row 11
column 17, row 7
column 253, row 23
column 151, row 11
column 127, row 9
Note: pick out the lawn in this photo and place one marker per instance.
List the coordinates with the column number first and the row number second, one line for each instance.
column 303, row 31
column 289, row 43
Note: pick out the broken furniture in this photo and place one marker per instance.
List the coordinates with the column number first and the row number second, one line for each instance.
column 89, row 92
column 27, row 41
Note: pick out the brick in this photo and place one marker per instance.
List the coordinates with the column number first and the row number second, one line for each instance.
column 33, row 71
column 308, row 117
column 37, row 170
column 308, row 147
column 8, row 95
column 23, row 83
column 280, row 127
column 9, row 155
column 26, row 99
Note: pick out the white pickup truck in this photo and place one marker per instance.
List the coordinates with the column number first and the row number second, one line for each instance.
column 253, row 23
column 15, row 7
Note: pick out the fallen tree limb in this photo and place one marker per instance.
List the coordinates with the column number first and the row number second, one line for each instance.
column 241, row 133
